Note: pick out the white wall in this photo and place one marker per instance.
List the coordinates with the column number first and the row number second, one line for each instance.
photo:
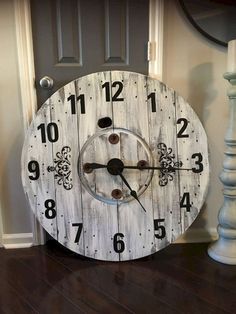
column 194, row 67
column 13, row 206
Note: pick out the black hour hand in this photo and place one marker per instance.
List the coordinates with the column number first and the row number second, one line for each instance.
column 89, row 167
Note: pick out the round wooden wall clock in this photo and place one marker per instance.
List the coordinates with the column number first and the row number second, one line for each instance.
column 115, row 165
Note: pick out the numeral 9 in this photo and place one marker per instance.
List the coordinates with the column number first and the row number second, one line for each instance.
column 33, row 167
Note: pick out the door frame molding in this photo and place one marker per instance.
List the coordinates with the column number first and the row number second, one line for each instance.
column 156, row 30
column 25, row 55
column 26, row 68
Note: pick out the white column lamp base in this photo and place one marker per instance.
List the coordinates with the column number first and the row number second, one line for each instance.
column 224, row 251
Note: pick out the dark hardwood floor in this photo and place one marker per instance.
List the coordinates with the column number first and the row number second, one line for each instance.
column 179, row 279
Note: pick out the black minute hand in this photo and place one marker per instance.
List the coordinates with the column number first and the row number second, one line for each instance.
column 132, row 192
column 95, row 165
column 155, row 168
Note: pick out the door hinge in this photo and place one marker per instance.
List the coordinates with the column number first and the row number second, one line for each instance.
column 151, row 50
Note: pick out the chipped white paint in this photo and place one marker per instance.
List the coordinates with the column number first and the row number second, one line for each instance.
column 147, row 117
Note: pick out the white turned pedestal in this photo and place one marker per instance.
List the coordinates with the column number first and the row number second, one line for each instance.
column 224, row 249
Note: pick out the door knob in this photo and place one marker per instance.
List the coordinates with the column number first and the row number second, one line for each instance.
column 46, row 82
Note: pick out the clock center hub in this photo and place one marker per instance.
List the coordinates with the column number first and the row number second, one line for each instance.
column 101, row 164
column 115, row 166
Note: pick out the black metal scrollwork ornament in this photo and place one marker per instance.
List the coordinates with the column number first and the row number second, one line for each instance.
column 166, row 161
column 62, row 168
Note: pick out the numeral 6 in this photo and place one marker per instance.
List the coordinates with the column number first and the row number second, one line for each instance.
column 118, row 244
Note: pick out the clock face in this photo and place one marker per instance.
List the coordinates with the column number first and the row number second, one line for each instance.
column 115, row 165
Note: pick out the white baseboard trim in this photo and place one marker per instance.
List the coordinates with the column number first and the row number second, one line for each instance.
column 198, row 235
column 17, row 240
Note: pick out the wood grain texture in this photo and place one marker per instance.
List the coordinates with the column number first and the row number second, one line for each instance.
column 153, row 124
column 187, row 148
column 42, row 153
column 131, row 114
column 162, row 130
column 65, row 157
column 51, row 279
column 99, row 218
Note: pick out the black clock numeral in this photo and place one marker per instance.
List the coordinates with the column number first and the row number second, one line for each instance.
column 118, row 92
column 118, row 244
column 152, row 96
column 50, row 211
column 159, row 230
column 49, row 132
column 198, row 162
column 184, row 123
column 185, row 202
column 82, row 103
column 78, row 234
column 33, row 167
column 108, row 91
column 71, row 98
column 81, row 99
column 106, row 85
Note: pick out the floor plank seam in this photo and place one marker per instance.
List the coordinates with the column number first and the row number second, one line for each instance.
column 52, row 287
column 97, row 264
column 94, row 287
column 206, row 300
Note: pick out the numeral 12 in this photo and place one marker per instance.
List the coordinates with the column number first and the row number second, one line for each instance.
column 115, row 97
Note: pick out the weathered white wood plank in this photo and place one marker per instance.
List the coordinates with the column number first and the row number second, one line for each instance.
column 64, row 168
column 99, row 218
column 165, row 185
column 193, row 152
column 41, row 190
column 131, row 114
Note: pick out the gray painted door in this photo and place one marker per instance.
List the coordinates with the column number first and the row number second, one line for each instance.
column 73, row 38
